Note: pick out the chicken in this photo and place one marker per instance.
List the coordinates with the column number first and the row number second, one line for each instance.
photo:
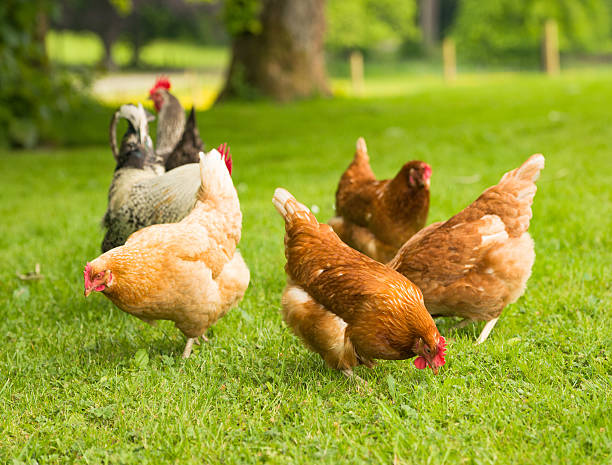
column 189, row 146
column 141, row 194
column 170, row 118
column 345, row 306
column 477, row 262
column 377, row 217
column 178, row 143
column 188, row 272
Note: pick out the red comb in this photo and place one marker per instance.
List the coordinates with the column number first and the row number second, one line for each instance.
column 438, row 360
column 427, row 174
column 162, row 83
column 224, row 150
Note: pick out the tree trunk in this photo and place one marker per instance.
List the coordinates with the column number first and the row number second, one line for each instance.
column 286, row 60
column 430, row 24
column 136, row 48
column 107, row 60
column 40, row 37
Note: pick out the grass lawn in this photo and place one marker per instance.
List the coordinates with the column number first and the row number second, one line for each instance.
column 83, row 48
column 83, row 382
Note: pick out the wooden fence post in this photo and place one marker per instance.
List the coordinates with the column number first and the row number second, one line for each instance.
column 550, row 48
column 356, row 60
column 449, row 58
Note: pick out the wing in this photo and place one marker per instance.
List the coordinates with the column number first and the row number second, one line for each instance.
column 186, row 242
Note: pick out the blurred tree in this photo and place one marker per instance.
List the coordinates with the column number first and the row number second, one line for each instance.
column 435, row 19
column 367, row 24
column 106, row 18
column 172, row 19
column 429, row 19
column 277, row 49
column 31, row 91
column 141, row 21
column 448, row 14
column 510, row 31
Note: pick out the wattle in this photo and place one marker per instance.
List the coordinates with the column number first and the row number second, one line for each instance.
column 420, row 363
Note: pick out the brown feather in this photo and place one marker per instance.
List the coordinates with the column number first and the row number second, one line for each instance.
column 383, row 311
column 479, row 261
column 188, row 272
column 391, row 210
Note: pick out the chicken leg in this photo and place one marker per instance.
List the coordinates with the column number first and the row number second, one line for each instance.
column 486, row 330
column 189, row 346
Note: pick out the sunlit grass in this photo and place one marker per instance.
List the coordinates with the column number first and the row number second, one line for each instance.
column 82, row 382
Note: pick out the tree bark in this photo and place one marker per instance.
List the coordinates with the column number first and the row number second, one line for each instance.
column 40, row 37
column 286, row 60
column 107, row 60
column 430, row 24
column 136, row 48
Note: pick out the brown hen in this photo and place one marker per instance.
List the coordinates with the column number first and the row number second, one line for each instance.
column 345, row 306
column 377, row 217
column 477, row 262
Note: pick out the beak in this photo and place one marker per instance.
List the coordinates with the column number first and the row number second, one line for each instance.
column 435, row 370
column 88, row 291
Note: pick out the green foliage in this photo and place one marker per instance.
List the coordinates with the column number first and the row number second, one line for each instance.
column 367, row 24
column 498, row 31
column 242, row 16
column 123, row 7
column 31, row 91
column 82, row 382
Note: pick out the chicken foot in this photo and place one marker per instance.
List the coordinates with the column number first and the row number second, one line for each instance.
column 486, row 330
column 358, row 379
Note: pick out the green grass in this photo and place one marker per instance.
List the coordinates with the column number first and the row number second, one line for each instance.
column 82, row 382
column 83, row 48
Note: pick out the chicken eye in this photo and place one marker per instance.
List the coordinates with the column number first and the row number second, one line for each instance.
column 99, row 275
column 427, row 351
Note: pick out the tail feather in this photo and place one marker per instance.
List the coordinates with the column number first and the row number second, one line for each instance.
column 516, row 190
column 112, row 135
column 528, row 172
column 361, row 151
column 288, row 206
column 214, row 176
column 521, row 181
column 138, row 118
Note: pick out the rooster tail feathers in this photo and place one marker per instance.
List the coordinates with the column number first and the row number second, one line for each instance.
column 138, row 119
column 215, row 178
column 288, row 206
column 112, row 135
column 135, row 115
